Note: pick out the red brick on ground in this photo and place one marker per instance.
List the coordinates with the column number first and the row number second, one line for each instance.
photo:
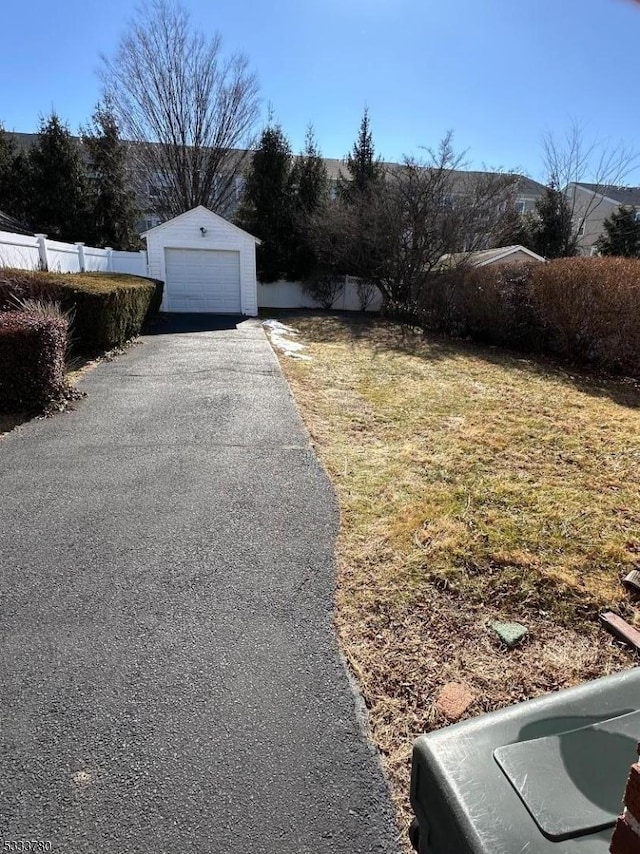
column 453, row 700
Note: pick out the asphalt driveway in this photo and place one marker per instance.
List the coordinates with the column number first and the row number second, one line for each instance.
column 169, row 676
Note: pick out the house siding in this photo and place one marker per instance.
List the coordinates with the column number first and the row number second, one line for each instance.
column 594, row 209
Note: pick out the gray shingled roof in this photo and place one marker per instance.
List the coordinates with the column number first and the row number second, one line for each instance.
column 8, row 223
column 622, row 195
column 335, row 166
column 484, row 256
column 524, row 186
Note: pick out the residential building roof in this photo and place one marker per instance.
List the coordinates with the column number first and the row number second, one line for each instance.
column 620, row 195
column 8, row 223
column 336, row 166
column 483, row 257
column 201, row 209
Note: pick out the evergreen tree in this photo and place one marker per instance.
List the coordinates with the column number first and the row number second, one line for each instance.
column 14, row 179
column 309, row 190
column 266, row 210
column 517, row 229
column 553, row 233
column 364, row 168
column 7, row 156
column 113, row 212
column 309, row 175
column 59, row 197
column 622, row 234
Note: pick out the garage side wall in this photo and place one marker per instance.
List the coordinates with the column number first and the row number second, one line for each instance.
column 185, row 233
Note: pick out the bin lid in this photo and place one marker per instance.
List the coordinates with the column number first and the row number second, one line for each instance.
column 573, row 783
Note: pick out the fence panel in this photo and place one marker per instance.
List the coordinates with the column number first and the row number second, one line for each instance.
column 129, row 262
column 62, row 257
column 96, row 260
column 283, row 294
column 19, row 250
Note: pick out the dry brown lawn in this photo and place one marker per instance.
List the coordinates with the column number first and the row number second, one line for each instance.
column 473, row 484
column 8, row 422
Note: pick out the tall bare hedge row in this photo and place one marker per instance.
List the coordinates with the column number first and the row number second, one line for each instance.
column 586, row 310
column 592, row 308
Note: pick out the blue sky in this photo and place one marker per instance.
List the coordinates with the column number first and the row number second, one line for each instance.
column 499, row 73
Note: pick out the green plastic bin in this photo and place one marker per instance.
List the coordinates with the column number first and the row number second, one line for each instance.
column 542, row 777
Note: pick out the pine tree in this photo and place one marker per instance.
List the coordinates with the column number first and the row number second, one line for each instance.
column 309, row 189
column 364, row 168
column 622, row 234
column 266, row 210
column 14, row 179
column 553, row 232
column 517, row 229
column 7, row 156
column 112, row 203
column 309, row 175
column 59, row 199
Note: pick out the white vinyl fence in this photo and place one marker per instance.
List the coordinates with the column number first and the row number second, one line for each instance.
column 32, row 253
column 20, row 251
column 37, row 252
column 283, row 294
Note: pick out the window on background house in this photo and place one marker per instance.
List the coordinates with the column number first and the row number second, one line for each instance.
column 637, row 214
column 156, row 184
column 521, row 206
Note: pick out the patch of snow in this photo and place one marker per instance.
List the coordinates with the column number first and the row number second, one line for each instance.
column 278, row 333
column 276, row 326
column 285, row 344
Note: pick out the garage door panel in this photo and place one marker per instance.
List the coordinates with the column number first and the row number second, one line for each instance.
column 203, row 280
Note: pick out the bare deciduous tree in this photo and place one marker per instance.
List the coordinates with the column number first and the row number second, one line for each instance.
column 573, row 159
column 423, row 209
column 366, row 292
column 324, row 288
column 188, row 111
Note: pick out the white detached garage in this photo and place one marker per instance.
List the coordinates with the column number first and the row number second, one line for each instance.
column 207, row 264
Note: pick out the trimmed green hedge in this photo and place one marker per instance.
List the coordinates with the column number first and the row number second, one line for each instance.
column 108, row 308
column 32, row 352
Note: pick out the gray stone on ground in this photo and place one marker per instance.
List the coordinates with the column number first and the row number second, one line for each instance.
column 511, row 634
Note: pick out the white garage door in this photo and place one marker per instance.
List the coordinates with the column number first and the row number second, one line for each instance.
column 203, row 280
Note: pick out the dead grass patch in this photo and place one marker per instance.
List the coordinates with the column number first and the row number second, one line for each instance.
column 8, row 422
column 473, row 484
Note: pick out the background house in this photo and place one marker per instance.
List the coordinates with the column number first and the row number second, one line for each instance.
column 526, row 190
column 591, row 204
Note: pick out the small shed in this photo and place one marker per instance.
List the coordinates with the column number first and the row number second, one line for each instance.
column 516, row 254
column 207, row 264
